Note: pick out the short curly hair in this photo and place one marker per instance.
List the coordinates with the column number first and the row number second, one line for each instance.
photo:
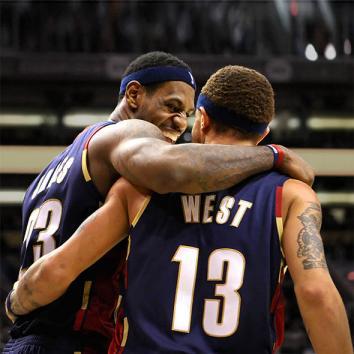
column 244, row 91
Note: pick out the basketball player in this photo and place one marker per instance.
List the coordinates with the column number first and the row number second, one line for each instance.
column 157, row 87
column 211, row 265
column 205, row 270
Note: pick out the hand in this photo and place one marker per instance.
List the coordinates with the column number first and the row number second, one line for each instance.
column 296, row 167
column 10, row 314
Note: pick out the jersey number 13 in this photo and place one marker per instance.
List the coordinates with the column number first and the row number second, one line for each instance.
column 45, row 219
column 220, row 318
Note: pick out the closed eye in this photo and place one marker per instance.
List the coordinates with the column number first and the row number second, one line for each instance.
column 173, row 108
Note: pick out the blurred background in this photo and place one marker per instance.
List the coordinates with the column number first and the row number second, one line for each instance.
column 61, row 64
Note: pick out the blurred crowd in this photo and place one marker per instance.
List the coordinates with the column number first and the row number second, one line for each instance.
column 196, row 26
column 224, row 27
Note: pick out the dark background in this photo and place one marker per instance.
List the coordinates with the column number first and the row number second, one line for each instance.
column 60, row 57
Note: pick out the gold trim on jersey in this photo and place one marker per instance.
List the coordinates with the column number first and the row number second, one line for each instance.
column 86, row 294
column 125, row 332
column 128, row 248
column 283, row 266
column 279, row 222
column 84, row 167
column 119, row 301
column 283, row 269
column 142, row 209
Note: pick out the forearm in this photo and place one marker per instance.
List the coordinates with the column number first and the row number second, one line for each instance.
column 326, row 323
column 193, row 168
column 216, row 167
column 37, row 288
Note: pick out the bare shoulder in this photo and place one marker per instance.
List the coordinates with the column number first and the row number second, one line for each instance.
column 132, row 197
column 128, row 129
column 111, row 145
column 112, row 135
column 127, row 192
column 122, row 187
column 300, row 202
column 295, row 191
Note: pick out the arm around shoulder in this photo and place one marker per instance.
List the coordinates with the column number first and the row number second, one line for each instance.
column 138, row 151
column 49, row 277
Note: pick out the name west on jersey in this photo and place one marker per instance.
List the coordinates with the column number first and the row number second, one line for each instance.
column 196, row 211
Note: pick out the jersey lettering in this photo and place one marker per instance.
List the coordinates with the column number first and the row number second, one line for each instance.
column 243, row 206
column 192, row 206
column 182, row 312
column 227, row 310
column 226, row 205
column 58, row 176
column 47, row 219
column 208, row 208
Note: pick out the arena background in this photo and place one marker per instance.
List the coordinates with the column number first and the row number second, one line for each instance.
column 61, row 63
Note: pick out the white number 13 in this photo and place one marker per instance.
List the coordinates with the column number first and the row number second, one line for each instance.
column 46, row 218
column 214, row 324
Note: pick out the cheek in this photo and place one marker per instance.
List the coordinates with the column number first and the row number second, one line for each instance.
column 153, row 114
column 145, row 113
column 156, row 119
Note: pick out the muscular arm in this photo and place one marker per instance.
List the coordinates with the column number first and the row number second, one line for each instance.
column 320, row 304
column 49, row 277
column 138, row 151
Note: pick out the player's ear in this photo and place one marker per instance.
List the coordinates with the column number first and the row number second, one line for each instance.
column 261, row 137
column 134, row 93
column 204, row 120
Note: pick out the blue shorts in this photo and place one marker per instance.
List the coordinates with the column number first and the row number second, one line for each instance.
column 35, row 344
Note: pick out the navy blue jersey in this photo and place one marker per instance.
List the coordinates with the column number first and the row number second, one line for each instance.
column 56, row 203
column 204, row 271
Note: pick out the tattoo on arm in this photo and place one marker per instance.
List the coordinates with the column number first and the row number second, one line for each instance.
column 310, row 246
column 229, row 167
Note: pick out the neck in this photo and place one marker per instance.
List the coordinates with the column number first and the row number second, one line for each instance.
column 121, row 112
column 225, row 139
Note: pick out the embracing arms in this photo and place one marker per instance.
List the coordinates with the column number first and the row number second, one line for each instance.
column 49, row 277
column 138, row 151
column 320, row 304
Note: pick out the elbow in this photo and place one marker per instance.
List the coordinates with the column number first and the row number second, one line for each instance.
column 310, row 177
column 163, row 176
column 308, row 174
column 174, row 177
column 316, row 294
column 156, row 169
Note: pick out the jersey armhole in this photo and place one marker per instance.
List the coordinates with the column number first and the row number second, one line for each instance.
column 278, row 216
column 141, row 211
column 84, row 161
